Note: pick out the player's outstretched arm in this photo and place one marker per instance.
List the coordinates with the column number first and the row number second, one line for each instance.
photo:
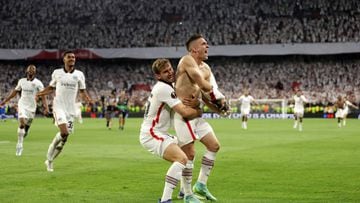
column 45, row 105
column 47, row 90
column 187, row 112
column 8, row 98
column 353, row 105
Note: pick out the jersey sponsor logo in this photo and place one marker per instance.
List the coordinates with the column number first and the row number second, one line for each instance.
column 68, row 85
column 28, row 90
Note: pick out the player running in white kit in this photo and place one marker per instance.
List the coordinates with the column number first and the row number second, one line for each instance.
column 245, row 100
column 66, row 82
column 347, row 104
column 27, row 87
column 299, row 100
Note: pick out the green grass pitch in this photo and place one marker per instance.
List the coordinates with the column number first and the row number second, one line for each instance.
column 269, row 162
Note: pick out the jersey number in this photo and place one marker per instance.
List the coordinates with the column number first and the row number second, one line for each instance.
column 147, row 107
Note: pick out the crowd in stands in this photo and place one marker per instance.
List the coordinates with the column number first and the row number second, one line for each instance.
column 321, row 78
column 67, row 24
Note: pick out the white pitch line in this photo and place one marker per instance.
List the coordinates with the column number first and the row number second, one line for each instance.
column 4, row 142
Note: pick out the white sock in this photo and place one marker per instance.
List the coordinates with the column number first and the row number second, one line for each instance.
column 52, row 146
column 344, row 122
column 186, row 178
column 171, row 180
column 207, row 164
column 58, row 149
column 21, row 133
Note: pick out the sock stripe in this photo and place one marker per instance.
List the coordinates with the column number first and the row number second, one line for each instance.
column 171, row 180
column 207, row 161
column 187, row 172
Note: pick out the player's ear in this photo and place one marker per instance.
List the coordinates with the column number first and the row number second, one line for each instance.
column 158, row 76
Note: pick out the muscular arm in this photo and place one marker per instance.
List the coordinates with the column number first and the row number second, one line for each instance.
column 352, row 105
column 189, row 65
column 85, row 96
column 186, row 111
column 12, row 94
column 47, row 90
column 45, row 104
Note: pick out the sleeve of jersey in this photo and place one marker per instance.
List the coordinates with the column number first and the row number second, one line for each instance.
column 168, row 96
column 40, row 86
column 82, row 85
column 53, row 80
column 18, row 86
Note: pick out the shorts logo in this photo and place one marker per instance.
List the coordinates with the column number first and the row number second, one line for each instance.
column 173, row 95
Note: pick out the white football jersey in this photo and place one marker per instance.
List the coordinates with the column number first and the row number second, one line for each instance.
column 157, row 117
column 299, row 101
column 67, row 86
column 28, row 92
column 246, row 101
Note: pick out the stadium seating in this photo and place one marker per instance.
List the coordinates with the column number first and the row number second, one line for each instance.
column 65, row 24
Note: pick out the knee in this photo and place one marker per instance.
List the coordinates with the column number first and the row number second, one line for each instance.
column 183, row 160
column 215, row 147
column 64, row 136
column 190, row 153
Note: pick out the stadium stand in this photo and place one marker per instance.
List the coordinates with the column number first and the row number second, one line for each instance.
column 68, row 24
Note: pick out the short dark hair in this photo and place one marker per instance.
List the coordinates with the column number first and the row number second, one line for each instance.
column 191, row 39
column 68, row 52
column 158, row 65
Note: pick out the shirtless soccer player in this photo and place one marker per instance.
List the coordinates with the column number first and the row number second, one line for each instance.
column 194, row 79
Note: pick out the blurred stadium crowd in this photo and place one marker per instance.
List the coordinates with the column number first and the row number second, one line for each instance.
column 66, row 24
column 322, row 78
